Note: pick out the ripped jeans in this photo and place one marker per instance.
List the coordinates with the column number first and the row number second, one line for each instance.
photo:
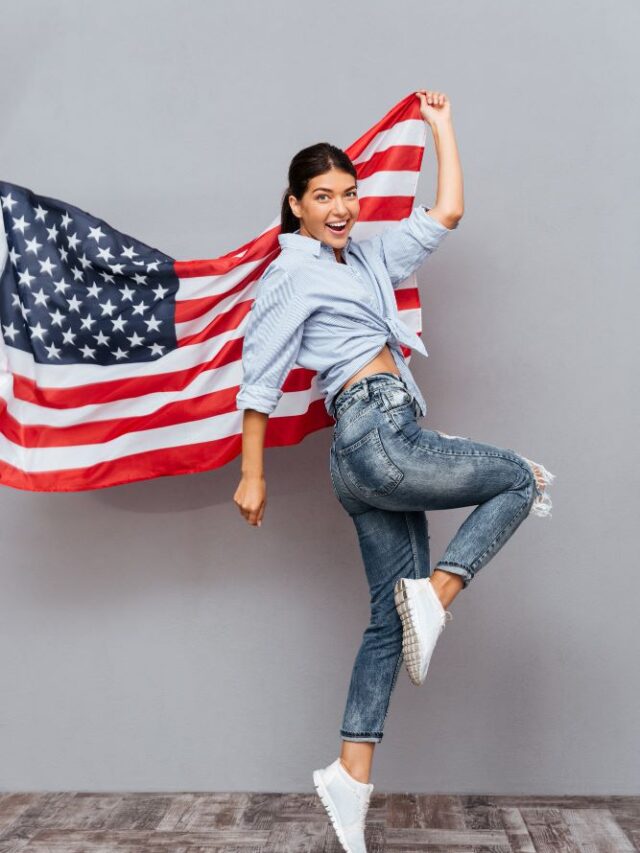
column 386, row 471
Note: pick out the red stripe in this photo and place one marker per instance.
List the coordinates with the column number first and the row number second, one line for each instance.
column 171, row 461
column 225, row 321
column 120, row 389
column 190, row 309
column 407, row 108
column 255, row 250
column 407, row 298
column 97, row 432
column 397, row 158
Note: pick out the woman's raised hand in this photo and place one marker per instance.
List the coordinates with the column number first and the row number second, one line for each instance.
column 434, row 106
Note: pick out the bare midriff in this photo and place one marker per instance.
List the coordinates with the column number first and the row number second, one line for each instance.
column 383, row 361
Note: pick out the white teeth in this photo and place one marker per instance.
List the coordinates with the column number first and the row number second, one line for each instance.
column 337, row 223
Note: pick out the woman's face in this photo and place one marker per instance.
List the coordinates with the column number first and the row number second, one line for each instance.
column 330, row 198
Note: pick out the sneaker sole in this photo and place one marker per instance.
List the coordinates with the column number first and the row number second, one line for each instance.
column 410, row 642
column 330, row 808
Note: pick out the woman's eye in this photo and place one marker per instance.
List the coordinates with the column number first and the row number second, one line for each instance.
column 324, row 195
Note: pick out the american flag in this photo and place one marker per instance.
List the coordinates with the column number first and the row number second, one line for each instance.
column 119, row 363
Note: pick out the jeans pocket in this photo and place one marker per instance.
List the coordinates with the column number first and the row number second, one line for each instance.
column 368, row 467
column 394, row 397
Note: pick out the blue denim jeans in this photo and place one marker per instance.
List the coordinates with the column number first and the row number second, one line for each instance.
column 386, row 471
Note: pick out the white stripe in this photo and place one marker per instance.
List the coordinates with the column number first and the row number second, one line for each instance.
column 31, row 414
column 198, row 324
column 386, row 183
column 61, row 376
column 214, row 285
column 408, row 132
column 81, row 456
column 4, row 249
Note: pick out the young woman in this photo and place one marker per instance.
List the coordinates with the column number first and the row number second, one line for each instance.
column 327, row 303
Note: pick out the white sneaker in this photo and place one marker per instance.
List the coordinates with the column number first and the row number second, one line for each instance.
column 423, row 620
column 346, row 801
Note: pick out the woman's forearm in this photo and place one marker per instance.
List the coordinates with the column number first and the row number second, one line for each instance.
column 450, row 191
column 254, row 426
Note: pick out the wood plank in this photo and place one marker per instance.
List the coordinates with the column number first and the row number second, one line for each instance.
column 595, row 831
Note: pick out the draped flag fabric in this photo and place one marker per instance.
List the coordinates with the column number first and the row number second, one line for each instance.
column 119, row 363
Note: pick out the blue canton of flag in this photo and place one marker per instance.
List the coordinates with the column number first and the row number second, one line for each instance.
column 74, row 290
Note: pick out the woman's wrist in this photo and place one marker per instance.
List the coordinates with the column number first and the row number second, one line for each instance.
column 439, row 124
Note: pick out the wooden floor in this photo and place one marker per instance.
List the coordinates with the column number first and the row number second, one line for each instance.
column 293, row 823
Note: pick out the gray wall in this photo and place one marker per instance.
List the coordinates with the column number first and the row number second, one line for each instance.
column 149, row 638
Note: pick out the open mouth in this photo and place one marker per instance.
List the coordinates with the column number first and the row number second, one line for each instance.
column 337, row 227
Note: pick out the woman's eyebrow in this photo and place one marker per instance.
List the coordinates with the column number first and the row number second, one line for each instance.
column 327, row 190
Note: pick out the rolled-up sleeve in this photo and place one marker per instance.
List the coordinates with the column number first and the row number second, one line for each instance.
column 272, row 340
column 405, row 245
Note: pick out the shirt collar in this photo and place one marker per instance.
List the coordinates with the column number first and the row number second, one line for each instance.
column 296, row 240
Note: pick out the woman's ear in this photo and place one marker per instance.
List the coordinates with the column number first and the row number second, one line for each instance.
column 294, row 205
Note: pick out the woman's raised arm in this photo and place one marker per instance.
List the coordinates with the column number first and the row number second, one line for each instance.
column 435, row 109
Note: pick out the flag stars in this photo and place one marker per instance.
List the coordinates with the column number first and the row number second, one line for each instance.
column 58, row 260
column 74, row 304
column 38, row 331
column 96, row 234
column 72, row 241
column 21, row 224
column 105, row 254
column 101, row 338
column 153, row 324
column 135, row 339
column 46, row 266
column 160, row 291
column 107, row 308
column 127, row 293
column 52, row 351
column 8, row 202
column 87, row 351
column 25, row 277
column 33, row 245
column 61, row 286
column 10, row 331
column 40, row 297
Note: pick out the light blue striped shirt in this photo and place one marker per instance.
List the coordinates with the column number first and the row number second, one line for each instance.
column 330, row 317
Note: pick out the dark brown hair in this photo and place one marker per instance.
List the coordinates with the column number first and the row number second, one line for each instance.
column 307, row 164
